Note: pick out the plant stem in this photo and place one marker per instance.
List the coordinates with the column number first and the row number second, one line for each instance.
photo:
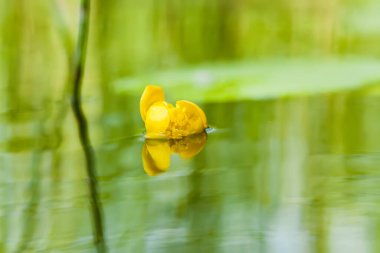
column 78, row 71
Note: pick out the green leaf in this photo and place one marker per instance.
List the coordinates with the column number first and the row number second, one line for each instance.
column 257, row 80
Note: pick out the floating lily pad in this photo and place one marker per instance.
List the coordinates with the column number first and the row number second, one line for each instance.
column 258, row 80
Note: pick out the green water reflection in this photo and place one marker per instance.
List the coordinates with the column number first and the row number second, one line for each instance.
column 284, row 175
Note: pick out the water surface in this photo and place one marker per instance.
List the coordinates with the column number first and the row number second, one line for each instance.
column 283, row 175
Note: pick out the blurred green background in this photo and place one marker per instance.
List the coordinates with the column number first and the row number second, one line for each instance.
column 291, row 88
column 130, row 38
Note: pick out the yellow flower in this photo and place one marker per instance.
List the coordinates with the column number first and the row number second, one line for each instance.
column 156, row 153
column 163, row 120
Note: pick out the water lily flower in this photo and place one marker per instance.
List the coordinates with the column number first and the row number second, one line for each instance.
column 156, row 153
column 163, row 120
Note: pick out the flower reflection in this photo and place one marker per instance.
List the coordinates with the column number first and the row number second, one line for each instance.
column 156, row 153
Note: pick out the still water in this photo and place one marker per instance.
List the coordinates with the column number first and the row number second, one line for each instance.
column 285, row 175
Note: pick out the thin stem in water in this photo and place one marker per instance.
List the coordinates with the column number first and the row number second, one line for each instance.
column 78, row 71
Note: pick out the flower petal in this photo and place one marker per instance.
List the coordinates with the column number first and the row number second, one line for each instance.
column 196, row 118
column 157, row 119
column 151, row 95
